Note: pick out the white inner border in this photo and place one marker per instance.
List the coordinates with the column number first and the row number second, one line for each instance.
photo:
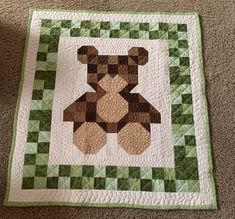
column 153, row 85
column 204, row 197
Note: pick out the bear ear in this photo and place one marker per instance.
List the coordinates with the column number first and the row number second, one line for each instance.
column 139, row 55
column 85, row 53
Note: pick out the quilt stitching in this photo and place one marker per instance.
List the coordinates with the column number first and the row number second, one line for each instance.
column 39, row 175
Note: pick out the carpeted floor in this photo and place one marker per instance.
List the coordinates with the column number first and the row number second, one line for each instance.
column 218, row 40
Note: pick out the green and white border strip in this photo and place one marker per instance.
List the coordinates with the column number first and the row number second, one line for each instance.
column 30, row 182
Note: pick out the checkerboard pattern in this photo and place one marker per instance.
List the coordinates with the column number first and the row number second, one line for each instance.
column 38, row 174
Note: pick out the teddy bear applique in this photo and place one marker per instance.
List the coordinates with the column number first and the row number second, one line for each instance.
column 112, row 108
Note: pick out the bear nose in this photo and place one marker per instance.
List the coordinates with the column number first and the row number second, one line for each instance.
column 112, row 74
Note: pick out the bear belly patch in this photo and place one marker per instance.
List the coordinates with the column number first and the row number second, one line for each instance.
column 112, row 107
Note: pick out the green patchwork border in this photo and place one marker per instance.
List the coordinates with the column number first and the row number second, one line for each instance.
column 39, row 175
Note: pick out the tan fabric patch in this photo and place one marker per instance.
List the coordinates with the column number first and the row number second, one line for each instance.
column 112, row 85
column 134, row 138
column 89, row 138
column 112, row 107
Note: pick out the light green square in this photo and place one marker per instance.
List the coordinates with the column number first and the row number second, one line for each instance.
column 44, row 136
column 43, row 47
column 75, row 24
column 29, row 171
column 45, row 30
column 33, row 126
column 45, row 66
column 172, row 27
column 176, row 100
column 134, row 184
column 38, row 84
column 56, row 23
column 124, row 33
column 99, row 171
column 42, row 159
column 104, row 33
column 48, row 94
column 85, row 32
column 65, row 32
column 36, row 105
column 193, row 186
column 122, row 172
column 158, row 185
column 95, row 24
column 40, row 182
column 47, row 104
column 31, row 148
column 146, row 172
column 174, row 61
column 143, row 34
column 182, row 35
column 51, row 57
column 169, row 173
column 181, row 185
column 134, row 26
column 187, row 109
column 173, row 44
column 178, row 140
column 52, row 170
column 87, row 182
column 191, row 151
column 184, row 70
column 114, row 25
column 153, row 26
column 184, row 52
column 111, row 184
column 64, row 183
column 76, row 171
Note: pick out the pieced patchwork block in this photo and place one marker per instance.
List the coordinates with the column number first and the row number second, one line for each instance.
column 112, row 112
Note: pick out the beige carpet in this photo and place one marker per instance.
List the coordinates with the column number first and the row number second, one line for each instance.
column 217, row 21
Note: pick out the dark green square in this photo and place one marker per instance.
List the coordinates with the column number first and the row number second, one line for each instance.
column 186, row 98
column 172, row 35
column 74, row 32
column 64, row 170
column 190, row 140
column 28, row 183
column 99, row 183
column 45, row 125
column 124, row 25
column 180, row 79
column 41, row 170
column 163, row 26
column 157, row 173
column 154, row 34
column 46, row 23
column 134, row 172
column 187, row 169
column 123, row 184
column 43, row 148
column 105, row 25
column 174, row 52
column 52, row 182
column 94, row 32
column 183, row 43
column 86, row 24
column 184, row 61
column 111, row 171
column 144, row 26
column 55, row 31
column 146, row 184
column 44, row 39
column 41, row 56
column 175, row 70
column 169, row 185
column 76, row 183
column 53, row 47
column 66, row 23
column 179, row 153
column 29, row 159
column 88, row 171
column 32, row 137
column 182, row 27
column 114, row 33
column 37, row 94
column 134, row 34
